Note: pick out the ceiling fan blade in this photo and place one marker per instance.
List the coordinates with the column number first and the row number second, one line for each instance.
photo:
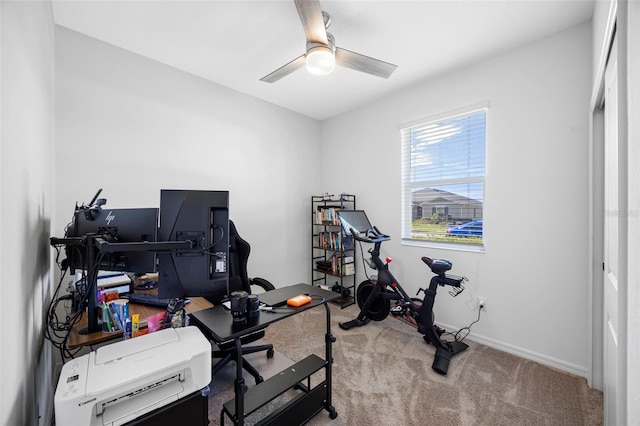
column 312, row 20
column 358, row 62
column 285, row 70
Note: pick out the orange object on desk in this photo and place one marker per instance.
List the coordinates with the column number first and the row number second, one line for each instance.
column 300, row 300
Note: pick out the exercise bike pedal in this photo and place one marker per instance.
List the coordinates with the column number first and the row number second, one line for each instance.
column 396, row 310
column 399, row 309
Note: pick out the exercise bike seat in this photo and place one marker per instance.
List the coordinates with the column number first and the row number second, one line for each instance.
column 438, row 266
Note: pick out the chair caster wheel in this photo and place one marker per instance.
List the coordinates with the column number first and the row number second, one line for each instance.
column 270, row 353
column 333, row 413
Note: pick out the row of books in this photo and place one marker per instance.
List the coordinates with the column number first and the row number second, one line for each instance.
column 327, row 215
column 334, row 241
column 342, row 265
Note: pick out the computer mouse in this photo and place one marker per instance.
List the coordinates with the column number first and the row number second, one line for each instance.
column 147, row 285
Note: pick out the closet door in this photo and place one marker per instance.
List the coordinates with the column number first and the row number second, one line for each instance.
column 615, row 205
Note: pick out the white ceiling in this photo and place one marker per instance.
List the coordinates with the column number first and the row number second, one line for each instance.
column 235, row 43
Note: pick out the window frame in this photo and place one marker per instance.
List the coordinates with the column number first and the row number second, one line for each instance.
column 407, row 185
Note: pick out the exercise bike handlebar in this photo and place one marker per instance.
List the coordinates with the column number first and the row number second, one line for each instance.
column 371, row 236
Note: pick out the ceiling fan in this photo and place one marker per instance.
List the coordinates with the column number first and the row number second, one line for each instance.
column 322, row 54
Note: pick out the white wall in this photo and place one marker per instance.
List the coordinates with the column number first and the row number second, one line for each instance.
column 537, row 162
column 27, row 188
column 132, row 126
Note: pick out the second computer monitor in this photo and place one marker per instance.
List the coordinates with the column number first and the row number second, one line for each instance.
column 202, row 218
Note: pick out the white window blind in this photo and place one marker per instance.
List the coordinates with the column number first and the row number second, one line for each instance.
column 443, row 175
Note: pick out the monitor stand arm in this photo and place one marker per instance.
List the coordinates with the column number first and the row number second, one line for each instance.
column 92, row 286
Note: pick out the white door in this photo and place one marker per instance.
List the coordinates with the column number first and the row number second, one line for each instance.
column 613, row 368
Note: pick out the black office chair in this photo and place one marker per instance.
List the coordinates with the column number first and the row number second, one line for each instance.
column 239, row 280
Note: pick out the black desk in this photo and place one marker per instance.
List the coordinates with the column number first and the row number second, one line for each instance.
column 219, row 322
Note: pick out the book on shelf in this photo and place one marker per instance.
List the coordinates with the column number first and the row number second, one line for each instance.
column 327, row 215
column 348, row 269
column 335, row 241
column 324, row 265
column 338, row 264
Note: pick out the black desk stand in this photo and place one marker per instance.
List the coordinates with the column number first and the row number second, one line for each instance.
column 219, row 323
column 95, row 245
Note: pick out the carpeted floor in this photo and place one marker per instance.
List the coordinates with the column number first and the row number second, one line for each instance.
column 382, row 375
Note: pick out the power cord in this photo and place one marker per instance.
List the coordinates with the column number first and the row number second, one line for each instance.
column 364, row 263
column 206, row 250
column 58, row 330
column 457, row 334
column 315, row 296
column 73, row 305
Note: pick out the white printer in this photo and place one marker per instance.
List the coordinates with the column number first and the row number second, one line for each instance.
column 122, row 381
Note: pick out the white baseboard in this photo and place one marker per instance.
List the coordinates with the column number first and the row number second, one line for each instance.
column 525, row 353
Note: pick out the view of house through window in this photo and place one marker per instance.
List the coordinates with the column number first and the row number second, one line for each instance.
column 443, row 175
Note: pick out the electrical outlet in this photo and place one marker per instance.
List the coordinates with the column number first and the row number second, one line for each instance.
column 482, row 304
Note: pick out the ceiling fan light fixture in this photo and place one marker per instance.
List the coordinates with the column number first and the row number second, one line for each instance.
column 320, row 56
column 320, row 60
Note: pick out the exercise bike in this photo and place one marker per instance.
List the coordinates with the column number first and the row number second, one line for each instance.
column 376, row 295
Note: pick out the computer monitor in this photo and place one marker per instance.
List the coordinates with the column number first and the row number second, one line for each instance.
column 354, row 219
column 115, row 226
column 201, row 217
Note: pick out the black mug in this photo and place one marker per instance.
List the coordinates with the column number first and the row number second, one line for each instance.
column 239, row 305
column 253, row 307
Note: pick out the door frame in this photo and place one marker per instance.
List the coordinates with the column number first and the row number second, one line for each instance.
column 615, row 281
column 625, row 17
column 596, row 212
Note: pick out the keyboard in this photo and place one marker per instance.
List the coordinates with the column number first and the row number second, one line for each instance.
column 149, row 299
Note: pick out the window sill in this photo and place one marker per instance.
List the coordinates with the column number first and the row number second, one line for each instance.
column 475, row 248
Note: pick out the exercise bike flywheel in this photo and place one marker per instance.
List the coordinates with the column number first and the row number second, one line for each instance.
column 379, row 308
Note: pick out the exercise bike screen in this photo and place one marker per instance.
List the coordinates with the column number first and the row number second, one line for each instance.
column 354, row 219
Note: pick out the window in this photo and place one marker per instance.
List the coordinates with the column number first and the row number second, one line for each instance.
column 443, row 171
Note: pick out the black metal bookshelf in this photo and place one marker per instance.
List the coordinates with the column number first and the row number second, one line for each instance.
column 332, row 252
